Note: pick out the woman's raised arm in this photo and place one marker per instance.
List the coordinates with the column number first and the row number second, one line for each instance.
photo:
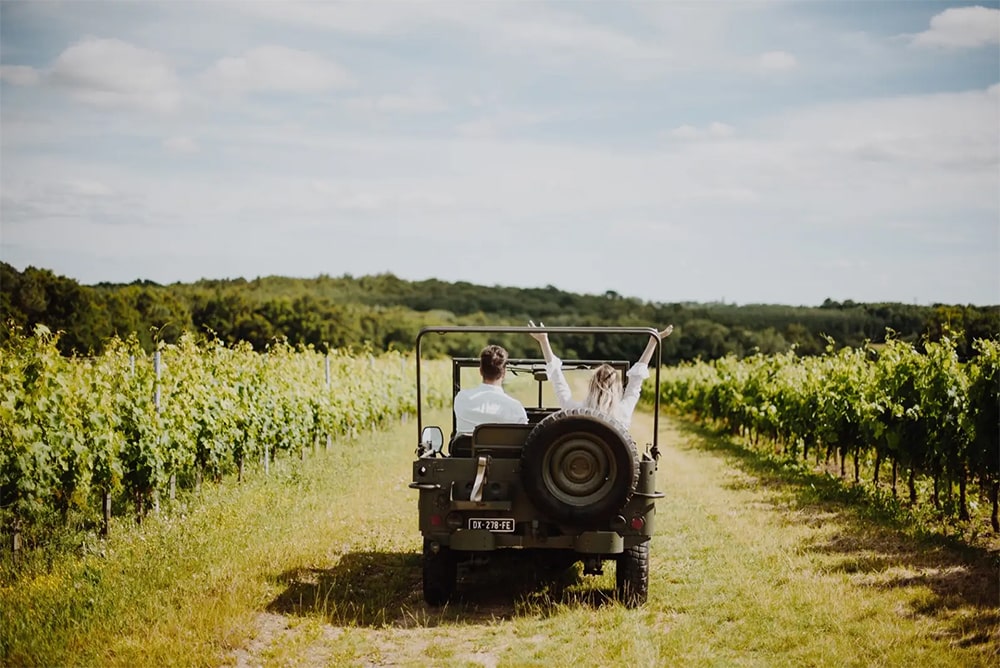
column 543, row 341
column 553, row 367
column 647, row 354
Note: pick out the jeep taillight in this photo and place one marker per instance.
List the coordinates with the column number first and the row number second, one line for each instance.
column 638, row 523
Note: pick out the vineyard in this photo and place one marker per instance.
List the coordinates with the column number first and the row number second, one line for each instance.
column 276, row 551
column 893, row 410
column 92, row 437
column 89, row 438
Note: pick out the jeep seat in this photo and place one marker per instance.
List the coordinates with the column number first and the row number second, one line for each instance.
column 500, row 440
column 460, row 445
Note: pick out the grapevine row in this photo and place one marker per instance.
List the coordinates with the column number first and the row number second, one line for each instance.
column 924, row 413
column 124, row 428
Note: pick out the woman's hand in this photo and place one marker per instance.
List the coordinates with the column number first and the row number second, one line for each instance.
column 666, row 332
column 541, row 337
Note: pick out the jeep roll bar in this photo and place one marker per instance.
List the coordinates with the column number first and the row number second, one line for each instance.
column 481, row 329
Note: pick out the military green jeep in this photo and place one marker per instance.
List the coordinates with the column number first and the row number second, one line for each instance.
column 570, row 483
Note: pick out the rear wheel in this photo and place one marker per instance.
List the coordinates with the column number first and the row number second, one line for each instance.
column 632, row 575
column 440, row 573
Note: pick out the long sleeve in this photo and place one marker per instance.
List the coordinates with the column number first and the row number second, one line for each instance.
column 630, row 397
column 559, row 384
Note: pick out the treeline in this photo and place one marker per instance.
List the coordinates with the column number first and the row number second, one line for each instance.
column 385, row 312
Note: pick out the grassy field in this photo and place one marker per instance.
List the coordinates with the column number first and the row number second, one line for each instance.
column 318, row 564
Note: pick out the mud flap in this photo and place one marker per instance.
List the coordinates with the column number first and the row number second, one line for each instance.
column 473, row 540
column 599, row 542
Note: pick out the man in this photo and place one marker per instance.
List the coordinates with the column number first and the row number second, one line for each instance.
column 488, row 402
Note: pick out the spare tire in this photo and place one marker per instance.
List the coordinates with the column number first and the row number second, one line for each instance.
column 579, row 467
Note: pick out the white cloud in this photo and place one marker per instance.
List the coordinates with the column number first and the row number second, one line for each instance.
column 954, row 132
column 720, row 130
column 528, row 25
column 111, row 73
column 514, row 29
column 395, row 198
column 364, row 18
column 501, row 123
column 685, row 132
column 348, row 198
column 20, row 75
column 961, row 27
column 851, row 162
column 481, row 128
column 65, row 196
column 557, row 33
column 180, row 145
column 777, row 61
column 276, row 68
column 398, row 104
column 89, row 188
column 797, row 177
column 715, row 130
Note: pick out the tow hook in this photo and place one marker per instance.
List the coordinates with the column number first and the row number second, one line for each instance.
column 593, row 566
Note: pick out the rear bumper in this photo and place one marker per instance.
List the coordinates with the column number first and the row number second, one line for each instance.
column 587, row 542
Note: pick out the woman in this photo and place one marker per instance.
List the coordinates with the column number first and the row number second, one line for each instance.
column 605, row 392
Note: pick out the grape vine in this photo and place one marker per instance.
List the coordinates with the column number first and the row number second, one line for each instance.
column 924, row 413
column 124, row 429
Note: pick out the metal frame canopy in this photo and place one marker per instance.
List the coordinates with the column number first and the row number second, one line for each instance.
column 482, row 329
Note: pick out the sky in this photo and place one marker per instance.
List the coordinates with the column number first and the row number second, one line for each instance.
column 748, row 152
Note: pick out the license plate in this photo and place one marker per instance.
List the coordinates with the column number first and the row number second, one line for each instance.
column 494, row 524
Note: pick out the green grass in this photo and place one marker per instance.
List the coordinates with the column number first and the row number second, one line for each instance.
column 751, row 565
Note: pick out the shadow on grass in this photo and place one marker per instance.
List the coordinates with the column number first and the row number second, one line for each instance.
column 384, row 589
column 876, row 542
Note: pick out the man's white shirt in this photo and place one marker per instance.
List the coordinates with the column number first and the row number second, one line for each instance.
column 486, row 403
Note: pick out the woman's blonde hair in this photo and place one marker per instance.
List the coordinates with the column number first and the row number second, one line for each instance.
column 605, row 391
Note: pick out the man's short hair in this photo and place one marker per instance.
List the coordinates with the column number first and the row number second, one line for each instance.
column 492, row 362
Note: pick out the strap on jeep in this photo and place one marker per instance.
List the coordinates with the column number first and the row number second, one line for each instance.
column 477, row 487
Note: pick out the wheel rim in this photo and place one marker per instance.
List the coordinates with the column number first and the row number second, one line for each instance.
column 579, row 470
